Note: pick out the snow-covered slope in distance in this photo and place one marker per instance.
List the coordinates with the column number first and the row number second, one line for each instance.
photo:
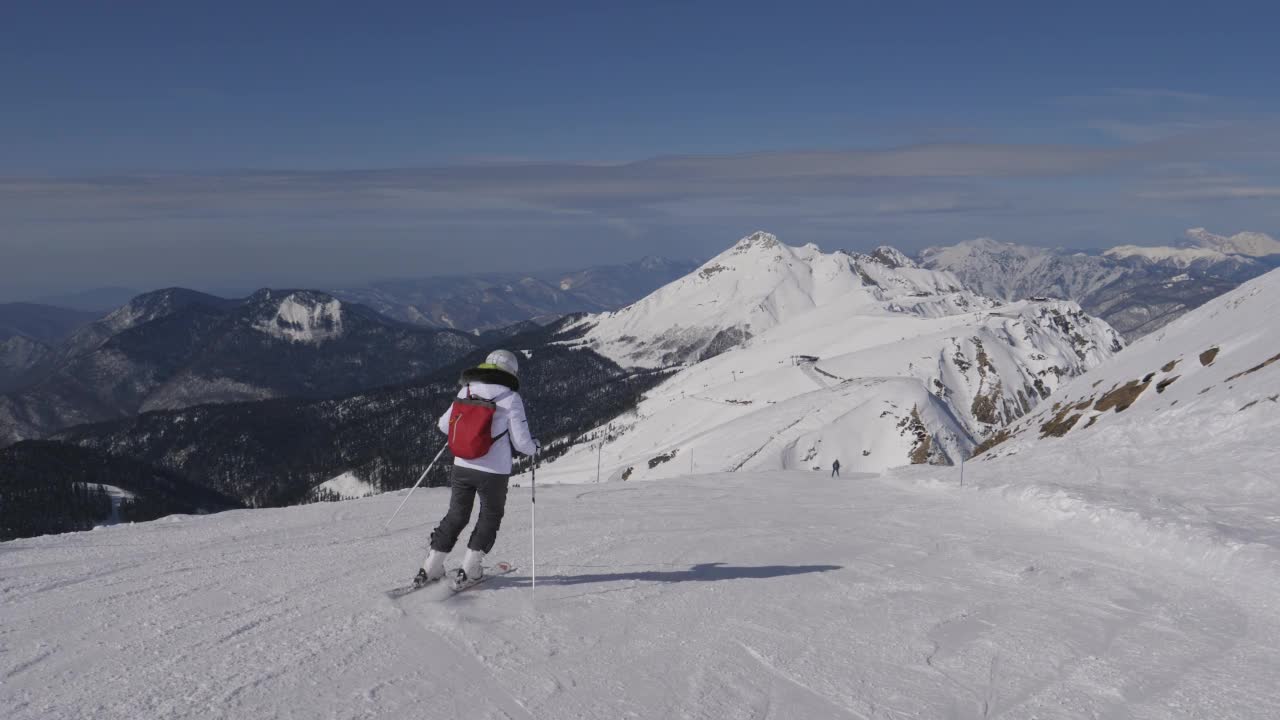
column 1008, row 271
column 1254, row 244
column 1178, row 257
column 347, row 486
column 879, row 373
column 303, row 317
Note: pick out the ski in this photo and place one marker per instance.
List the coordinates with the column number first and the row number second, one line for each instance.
column 396, row 593
column 459, row 584
column 502, row 568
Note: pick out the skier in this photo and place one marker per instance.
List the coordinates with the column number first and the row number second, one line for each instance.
column 495, row 380
column 835, row 468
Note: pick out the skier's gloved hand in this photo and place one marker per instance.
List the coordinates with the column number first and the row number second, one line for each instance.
column 537, row 446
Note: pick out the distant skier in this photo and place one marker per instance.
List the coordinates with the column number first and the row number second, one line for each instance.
column 835, row 468
column 481, row 465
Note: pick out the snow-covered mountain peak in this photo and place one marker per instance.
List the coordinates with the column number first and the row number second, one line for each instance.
column 793, row 357
column 892, row 257
column 975, row 246
column 760, row 283
column 1253, row 244
column 303, row 316
column 756, row 240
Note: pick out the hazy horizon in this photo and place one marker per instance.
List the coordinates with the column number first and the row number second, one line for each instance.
column 175, row 145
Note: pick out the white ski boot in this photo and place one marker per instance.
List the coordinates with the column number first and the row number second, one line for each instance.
column 472, row 565
column 432, row 569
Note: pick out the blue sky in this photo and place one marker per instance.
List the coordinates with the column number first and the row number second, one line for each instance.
column 230, row 145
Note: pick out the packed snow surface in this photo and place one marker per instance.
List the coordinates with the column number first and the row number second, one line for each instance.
column 781, row 594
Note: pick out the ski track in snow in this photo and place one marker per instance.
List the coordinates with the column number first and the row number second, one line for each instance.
column 769, row 595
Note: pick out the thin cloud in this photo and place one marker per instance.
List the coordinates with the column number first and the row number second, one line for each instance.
column 1137, row 98
column 551, row 184
column 1145, row 132
column 1219, row 192
column 461, row 215
column 1162, row 94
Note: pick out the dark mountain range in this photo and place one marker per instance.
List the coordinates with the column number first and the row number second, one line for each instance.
column 274, row 452
column 28, row 333
column 48, row 487
column 493, row 301
column 174, row 348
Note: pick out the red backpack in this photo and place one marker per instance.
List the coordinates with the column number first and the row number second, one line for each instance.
column 471, row 426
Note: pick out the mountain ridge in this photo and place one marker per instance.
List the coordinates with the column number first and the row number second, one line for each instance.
column 174, row 348
column 755, row 285
column 787, row 357
column 1137, row 289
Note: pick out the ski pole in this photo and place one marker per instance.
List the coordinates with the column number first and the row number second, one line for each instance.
column 415, row 487
column 533, row 523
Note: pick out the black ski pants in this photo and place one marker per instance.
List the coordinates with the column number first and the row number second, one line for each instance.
column 466, row 484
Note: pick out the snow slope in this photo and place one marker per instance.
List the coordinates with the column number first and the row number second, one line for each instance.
column 117, row 496
column 873, row 387
column 347, row 486
column 804, row 357
column 774, row 595
column 1149, row 433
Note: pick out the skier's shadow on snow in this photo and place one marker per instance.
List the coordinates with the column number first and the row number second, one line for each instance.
column 704, row 572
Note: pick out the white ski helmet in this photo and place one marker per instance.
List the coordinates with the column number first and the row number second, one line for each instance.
column 506, row 360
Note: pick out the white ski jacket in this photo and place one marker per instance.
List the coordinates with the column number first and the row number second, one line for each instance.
column 508, row 418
